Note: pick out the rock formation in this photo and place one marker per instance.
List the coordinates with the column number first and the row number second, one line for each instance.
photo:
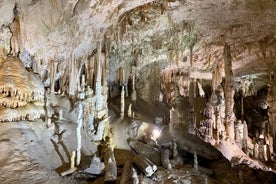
column 22, row 93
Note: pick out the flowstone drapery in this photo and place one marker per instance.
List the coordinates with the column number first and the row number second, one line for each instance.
column 21, row 92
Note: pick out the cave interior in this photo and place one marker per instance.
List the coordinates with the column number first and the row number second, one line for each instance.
column 138, row 91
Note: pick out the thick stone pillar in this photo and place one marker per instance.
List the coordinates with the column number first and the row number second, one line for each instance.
column 229, row 93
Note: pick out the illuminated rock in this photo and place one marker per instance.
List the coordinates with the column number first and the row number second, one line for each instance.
column 21, row 92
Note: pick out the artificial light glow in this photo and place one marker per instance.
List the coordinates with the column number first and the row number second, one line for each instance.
column 156, row 134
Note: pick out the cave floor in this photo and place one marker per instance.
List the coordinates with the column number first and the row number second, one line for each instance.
column 27, row 154
column 30, row 153
column 33, row 153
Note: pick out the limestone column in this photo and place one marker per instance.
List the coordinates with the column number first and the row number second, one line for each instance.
column 79, row 127
column 72, row 165
column 98, row 92
column 229, row 93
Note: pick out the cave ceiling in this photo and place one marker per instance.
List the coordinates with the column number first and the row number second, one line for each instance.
column 150, row 30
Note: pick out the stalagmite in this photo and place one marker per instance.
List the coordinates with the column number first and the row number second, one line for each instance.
column 165, row 158
column 49, row 122
column 256, row 150
column 72, row 165
column 173, row 122
column 109, row 161
column 272, row 108
column 79, row 127
column 122, row 114
column 60, row 114
column 195, row 162
column 229, row 93
column 177, row 159
column 239, row 134
column 129, row 112
column 269, row 143
column 245, row 137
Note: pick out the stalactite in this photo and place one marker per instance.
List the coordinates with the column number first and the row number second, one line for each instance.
column 263, row 46
column 122, row 102
column 217, row 75
column 229, row 93
column 16, row 36
column 133, row 92
column 191, row 56
column 121, row 76
column 72, row 77
column 83, row 83
column 192, row 103
column 200, row 90
column 105, row 71
column 53, row 71
column 92, row 72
